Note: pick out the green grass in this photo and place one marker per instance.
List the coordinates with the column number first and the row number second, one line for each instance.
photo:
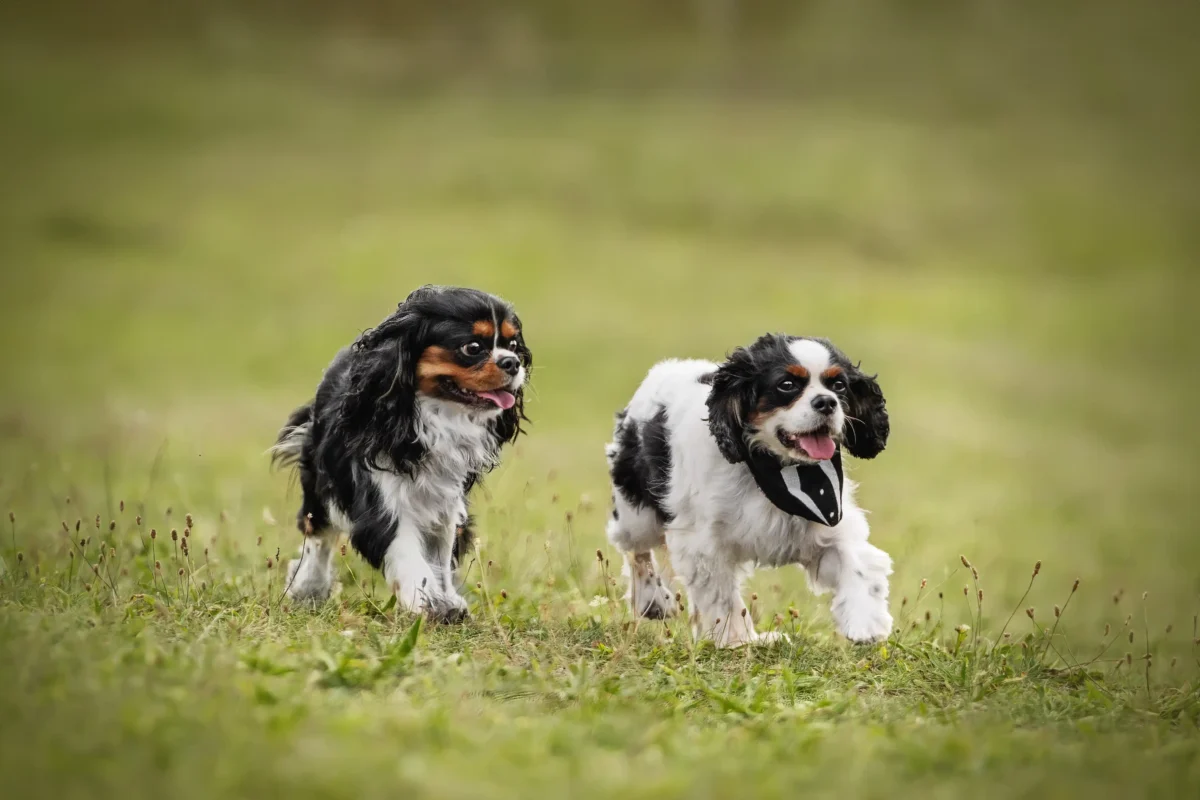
column 189, row 233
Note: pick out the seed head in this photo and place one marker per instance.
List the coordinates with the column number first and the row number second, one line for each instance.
column 1131, row 637
column 187, row 519
column 1129, row 659
column 97, row 522
column 1029, row 612
column 12, row 517
column 1174, row 661
column 258, row 543
column 754, row 597
column 928, row 616
column 71, row 553
column 924, row 583
column 1057, row 612
column 974, row 573
column 83, row 543
column 965, row 563
column 1037, row 568
column 1107, row 629
column 181, row 572
column 174, row 535
column 941, row 596
column 343, row 551
column 981, row 595
column 743, row 612
column 1144, row 596
column 203, row 585
column 65, row 528
column 270, row 564
column 78, row 525
column 903, row 602
column 600, row 555
column 20, row 557
column 153, row 533
column 138, row 520
column 479, row 586
column 87, row 587
column 121, row 505
column 679, row 597
column 966, row 592
column 112, row 526
column 158, row 566
column 503, row 594
column 794, row 613
column 1075, row 587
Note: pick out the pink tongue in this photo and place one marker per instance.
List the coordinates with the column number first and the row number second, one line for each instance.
column 503, row 399
column 820, row 447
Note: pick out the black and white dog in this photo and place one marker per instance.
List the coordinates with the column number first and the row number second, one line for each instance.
column 404, row 423
column 739, row 464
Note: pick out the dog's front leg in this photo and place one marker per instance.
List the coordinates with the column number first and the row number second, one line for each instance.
column 713, row 581
column 416, row 570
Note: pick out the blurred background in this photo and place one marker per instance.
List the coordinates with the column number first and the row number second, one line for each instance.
column 991, row 204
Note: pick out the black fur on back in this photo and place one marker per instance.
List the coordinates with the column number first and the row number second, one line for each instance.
column 641, row 464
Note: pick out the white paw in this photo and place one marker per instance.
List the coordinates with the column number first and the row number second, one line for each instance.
column 308, row 585
column 447, row 609
column 861, row 618
column 649, row 596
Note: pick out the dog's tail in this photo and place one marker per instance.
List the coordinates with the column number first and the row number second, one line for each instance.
column 292, row 438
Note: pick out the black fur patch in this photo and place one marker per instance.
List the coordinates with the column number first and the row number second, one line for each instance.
column 641, row 469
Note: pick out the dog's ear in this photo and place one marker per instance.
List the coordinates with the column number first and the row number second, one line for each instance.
column 867, row 425
column 377, row 414
column 733, row 394
column 508, row 425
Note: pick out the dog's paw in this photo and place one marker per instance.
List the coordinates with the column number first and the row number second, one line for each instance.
column 447, row 610
column 862, row 619
column 649, row 596
column 309, row 587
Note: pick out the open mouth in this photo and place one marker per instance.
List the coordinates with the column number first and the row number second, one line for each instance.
column 817, row 444
column 493, row 398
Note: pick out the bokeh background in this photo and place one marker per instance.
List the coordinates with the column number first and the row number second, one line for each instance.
column 994, row 205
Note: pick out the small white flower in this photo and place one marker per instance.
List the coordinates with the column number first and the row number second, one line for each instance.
column 598, row 600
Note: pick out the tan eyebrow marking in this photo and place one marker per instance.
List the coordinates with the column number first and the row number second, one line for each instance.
column 832, row 372
column 798, row 371
column 485, row 328
column 508, row 330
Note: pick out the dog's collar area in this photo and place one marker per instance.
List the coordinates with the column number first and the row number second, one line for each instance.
column 811, row 491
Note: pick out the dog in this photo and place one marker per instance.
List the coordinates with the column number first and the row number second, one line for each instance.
column 404, row 423
column 738, row 464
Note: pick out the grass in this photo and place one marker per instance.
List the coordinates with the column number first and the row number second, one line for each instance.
column 190, row 232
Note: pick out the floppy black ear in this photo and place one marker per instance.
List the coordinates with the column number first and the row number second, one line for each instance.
column 732, row 394
column 377, row 414
column 508, row 425
column 867, row 425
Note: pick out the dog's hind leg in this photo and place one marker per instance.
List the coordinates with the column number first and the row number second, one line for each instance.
column 636, row 532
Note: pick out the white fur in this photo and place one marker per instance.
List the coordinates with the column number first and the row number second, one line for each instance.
column 723, row 525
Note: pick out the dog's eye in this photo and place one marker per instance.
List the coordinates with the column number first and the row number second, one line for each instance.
column 471, row 349
column 838, row 385
column 788, row 386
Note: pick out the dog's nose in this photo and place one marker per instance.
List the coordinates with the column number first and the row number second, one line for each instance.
column 825, row 404
column 510, row 364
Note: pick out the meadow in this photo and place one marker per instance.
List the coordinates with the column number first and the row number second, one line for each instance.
column 996, row 217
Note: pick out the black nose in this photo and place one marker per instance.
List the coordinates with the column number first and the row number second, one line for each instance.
column 825, row 404
column 510, row 364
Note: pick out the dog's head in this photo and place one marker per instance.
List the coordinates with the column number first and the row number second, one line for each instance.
column 796, row 398
column 462, row 348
